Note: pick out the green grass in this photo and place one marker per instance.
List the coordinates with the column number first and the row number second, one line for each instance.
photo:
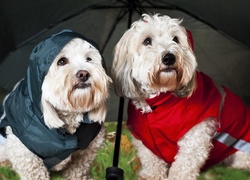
column 103, row 161
column 7, row 174
column 104, row 158
column 130, row 164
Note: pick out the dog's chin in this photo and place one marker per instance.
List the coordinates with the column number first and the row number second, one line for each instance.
column 168, row 71
column 82, row 85
column 167, row 79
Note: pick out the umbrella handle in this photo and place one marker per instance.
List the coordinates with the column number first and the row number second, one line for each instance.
column 114, row 173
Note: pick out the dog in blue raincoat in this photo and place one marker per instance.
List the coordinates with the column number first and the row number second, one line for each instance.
column 54, row 116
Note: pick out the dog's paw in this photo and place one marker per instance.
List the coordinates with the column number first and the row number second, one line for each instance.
column 146, row 109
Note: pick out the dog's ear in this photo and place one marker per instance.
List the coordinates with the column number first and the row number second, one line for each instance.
column 187, row 77
column 186, row 90
column 190, row 39
column 50, row 115
column 122, row 67
column 98, row 114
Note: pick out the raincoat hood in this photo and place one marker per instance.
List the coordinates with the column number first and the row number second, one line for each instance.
column 42, row 57
column 22, row 107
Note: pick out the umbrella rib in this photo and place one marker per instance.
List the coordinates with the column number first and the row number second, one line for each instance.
column 122, row 13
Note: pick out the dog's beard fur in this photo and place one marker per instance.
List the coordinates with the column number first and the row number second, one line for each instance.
column 138, row 71
column 65, row 96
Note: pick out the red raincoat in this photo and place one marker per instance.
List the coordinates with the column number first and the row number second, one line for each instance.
column 172, row 117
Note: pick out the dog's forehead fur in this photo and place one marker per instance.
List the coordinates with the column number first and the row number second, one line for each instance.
column 160, row 25
column 161, row 29
column 81, row 50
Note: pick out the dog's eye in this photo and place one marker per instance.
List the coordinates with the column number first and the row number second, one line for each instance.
column 175, row 39
column 89, row 59
column 62, row 61
column 147, row 41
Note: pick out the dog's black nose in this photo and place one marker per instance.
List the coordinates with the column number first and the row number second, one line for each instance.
column 168, row 59
column 83, row 75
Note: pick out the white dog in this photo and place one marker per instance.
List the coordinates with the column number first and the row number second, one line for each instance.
column 181, row 120
column 54, row 116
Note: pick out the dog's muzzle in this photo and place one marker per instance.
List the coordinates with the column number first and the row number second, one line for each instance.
column 168, row 59
column 82, row 77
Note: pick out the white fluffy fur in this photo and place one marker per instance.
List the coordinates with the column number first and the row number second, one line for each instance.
column 138, row 73
column 63, row 105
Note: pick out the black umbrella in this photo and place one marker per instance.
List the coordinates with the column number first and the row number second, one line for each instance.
column 24, row 24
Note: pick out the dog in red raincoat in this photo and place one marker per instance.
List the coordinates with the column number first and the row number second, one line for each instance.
column 182, row 121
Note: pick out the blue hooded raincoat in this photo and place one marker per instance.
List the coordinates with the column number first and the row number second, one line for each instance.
column 22, row 110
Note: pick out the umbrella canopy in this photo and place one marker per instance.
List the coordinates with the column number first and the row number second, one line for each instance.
column 220, row 32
